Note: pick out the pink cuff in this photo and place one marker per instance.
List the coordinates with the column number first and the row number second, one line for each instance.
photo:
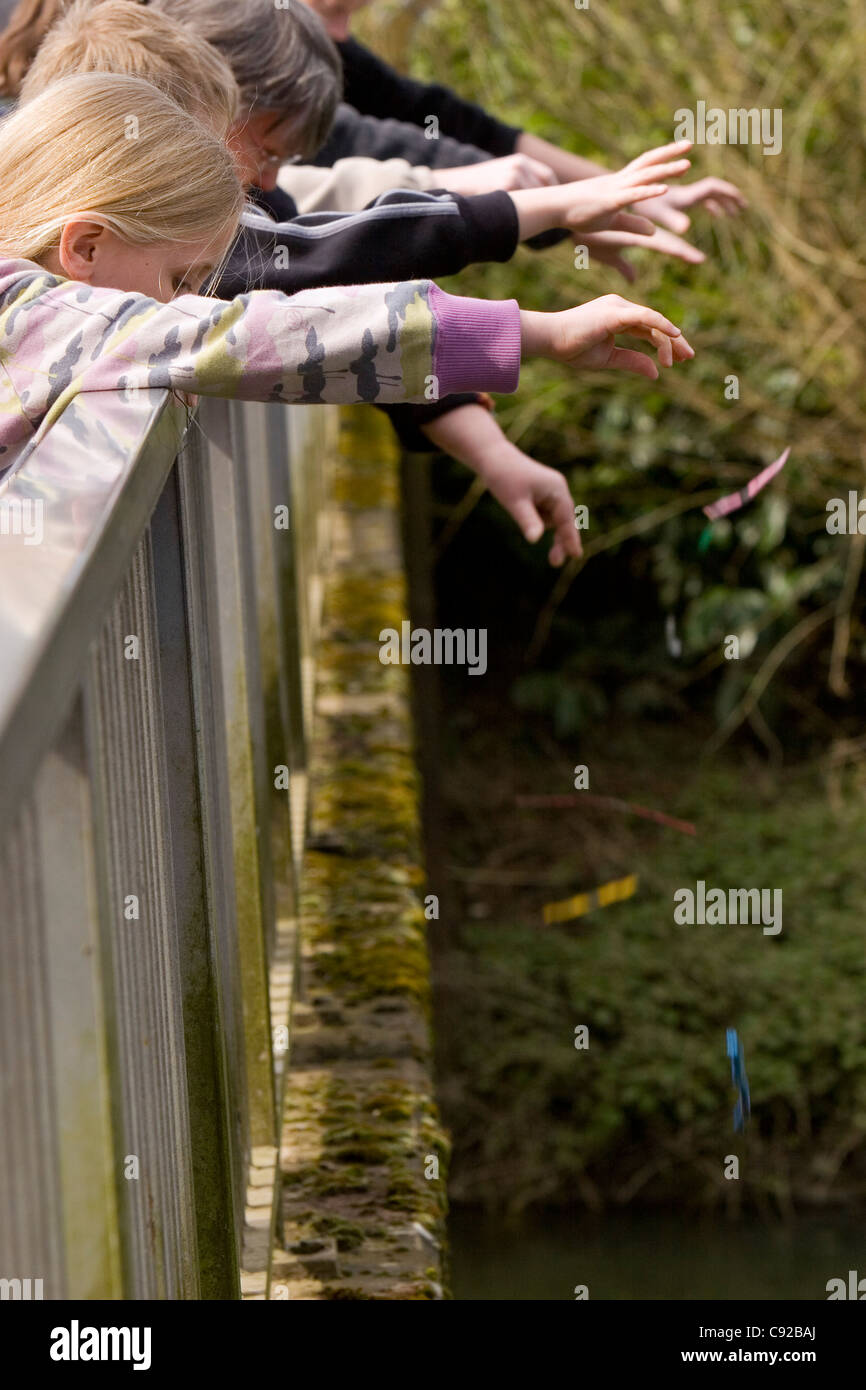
column 477, row 343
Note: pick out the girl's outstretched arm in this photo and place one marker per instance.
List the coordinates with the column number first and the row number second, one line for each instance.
column 401, row 342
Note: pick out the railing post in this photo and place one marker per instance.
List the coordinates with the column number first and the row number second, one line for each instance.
column 228, row 605
column 127, row 720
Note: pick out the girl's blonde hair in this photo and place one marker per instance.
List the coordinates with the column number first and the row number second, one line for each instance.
column 28, row 24
column 122, row 36
column 117, row 149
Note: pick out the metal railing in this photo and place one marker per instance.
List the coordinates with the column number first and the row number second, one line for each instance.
column 159, row 593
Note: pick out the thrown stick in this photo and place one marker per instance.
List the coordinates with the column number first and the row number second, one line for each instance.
column 565, row 802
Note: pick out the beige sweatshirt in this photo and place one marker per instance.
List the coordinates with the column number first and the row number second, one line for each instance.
column 350, row 183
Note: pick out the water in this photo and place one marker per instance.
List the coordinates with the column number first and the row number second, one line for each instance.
column 653, row 1255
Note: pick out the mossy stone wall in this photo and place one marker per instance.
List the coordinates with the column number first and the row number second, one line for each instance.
column 363, row 1210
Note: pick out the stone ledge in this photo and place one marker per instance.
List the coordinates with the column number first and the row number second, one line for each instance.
column 363, row 1158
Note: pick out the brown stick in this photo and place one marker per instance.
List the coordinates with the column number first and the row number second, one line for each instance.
column 563, row 803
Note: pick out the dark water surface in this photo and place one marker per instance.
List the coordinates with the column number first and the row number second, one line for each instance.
column 652, row 1256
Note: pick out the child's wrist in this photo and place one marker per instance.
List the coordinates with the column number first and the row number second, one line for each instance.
column 535, row 334
column 538, row 210
column 493, row 454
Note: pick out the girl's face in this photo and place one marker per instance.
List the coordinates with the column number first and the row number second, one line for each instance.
column 96, row 255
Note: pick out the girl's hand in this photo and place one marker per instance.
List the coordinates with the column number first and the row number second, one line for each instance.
column 537, row 497
column 586, row 336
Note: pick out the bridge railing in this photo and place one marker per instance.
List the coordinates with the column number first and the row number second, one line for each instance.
column 159, row 592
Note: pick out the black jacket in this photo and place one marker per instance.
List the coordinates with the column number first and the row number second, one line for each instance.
column 375, row 89
column 354, row 134
column 401, row 235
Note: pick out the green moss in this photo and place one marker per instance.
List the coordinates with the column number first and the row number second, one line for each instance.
column 364, row 933
column 360, row 605
column 362, row 1153
column 375, row 931
column 347, row 1234
column 338, row 1293
column 332, row 1184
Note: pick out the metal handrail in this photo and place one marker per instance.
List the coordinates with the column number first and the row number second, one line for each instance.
column 156, row 630
column 91, row 487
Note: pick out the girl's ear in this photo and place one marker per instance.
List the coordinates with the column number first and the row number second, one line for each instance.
column 80, row 245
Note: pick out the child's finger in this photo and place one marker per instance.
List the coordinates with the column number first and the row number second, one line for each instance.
column 661, row 153
column 625, row 268
column 528, row 519
column 638, row 319
column 720, row 189
column 661, row 171
column 666, row 242
column 624, row 196
column 628, row 222
column 669, row 349
column 558, row 511
column 673, row 219
column 629, row 360
column 563, row 547
column 663, row 347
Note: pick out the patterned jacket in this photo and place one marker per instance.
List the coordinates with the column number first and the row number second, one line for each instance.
column 402, row 342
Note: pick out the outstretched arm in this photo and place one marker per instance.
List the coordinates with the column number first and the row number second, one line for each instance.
column 536, row 497
column 400, row 342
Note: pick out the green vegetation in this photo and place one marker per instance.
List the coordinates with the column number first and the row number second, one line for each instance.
column 777, row 303
column 645, row 1112
column 579, row 670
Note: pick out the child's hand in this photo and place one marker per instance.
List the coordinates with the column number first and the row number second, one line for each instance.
column 597, row 204
column 537, row 498
column 720, row 198
column 509, row 172
column 586, row 336
column 608, row 248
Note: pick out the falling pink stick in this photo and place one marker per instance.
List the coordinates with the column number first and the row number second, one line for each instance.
column 735, row 500
column 564, row 802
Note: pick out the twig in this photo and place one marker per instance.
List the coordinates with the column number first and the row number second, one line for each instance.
column 837, row 680
column 782, row 649
column 566, row 802
column 458, row 514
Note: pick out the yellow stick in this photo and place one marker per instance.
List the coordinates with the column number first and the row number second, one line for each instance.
column 578, row 906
